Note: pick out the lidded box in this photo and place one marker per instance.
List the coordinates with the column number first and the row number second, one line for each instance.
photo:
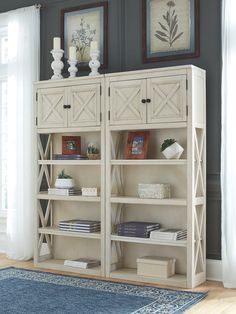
column 157, row 190
column 155, row 266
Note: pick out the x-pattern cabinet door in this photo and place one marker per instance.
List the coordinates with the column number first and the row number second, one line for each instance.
column 126, row 105
column 168, row 99
column 85, row 105
column 51, row 111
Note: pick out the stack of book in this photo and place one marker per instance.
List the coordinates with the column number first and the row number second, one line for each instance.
column 64, row 191
column 136, row 229
column 166, row 234
column 78, row 225
column 82, row 263
column 68, row 157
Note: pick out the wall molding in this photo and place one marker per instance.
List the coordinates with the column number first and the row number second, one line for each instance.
column 214, row 270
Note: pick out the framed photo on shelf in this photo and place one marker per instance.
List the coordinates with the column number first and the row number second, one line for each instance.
column 71, row 145
column 137, row 145
column 170, row 29
column 80, row 26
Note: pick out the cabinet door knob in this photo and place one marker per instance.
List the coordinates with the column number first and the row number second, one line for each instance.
column 68, row 106
column 64, row 106
column 148, row 100
column 143, row 101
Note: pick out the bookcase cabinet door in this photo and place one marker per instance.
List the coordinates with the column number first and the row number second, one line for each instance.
column 168, row 99
column 126, row 105
column 85, row 105
column 51, row 111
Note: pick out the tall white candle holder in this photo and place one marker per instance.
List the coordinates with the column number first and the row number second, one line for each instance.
column 73, row 68
column 94, row 63
column 57, row 65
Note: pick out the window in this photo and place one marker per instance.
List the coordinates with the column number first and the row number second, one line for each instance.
column 3, row 126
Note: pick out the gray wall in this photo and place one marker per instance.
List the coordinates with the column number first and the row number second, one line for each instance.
column 125, row 54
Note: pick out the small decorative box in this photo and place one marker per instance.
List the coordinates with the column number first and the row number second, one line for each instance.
column 154, row 190
column 89, row 191
column 155, row 266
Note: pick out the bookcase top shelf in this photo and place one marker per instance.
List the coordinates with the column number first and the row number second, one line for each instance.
column 70, row 162
column 149, row 162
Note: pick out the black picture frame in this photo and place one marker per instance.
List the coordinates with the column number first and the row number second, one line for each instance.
column 163, row 37
column 75, row 24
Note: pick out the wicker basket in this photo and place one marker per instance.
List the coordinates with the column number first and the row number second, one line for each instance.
column 93, row 156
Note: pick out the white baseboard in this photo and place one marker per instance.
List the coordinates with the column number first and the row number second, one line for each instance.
column 213, row 270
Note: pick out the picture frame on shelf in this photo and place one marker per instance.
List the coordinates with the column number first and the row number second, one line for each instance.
column 71, row 145
column 170, row 30
column 137, row 145
column 80, row 26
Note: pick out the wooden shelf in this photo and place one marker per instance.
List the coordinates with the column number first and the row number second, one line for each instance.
column 147, row 201
column 75, row 198
column 70, row 162
column 55, row 231
column 179, row 243
column 131, row 274
column 69, row 130
column 57, row 264
column 149, row 162
column 151, row 126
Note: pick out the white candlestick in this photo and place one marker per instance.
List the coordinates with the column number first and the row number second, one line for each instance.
column 93, row 45
column 72, row 53
column 56, row 43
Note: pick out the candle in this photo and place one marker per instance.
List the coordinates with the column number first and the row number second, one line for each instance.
column 56, row 43
column 72, row 53
column 94, row 45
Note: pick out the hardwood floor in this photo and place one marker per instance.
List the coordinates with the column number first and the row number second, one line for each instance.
column 219, row 299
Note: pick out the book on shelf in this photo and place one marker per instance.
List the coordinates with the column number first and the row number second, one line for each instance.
column 169, row 234
column 136, row 229
column 82, row 263
column 68, row 157
column 64, row 191
column 80, row 230
column 79, row 223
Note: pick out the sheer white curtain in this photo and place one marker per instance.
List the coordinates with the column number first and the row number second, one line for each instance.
column 228, row 150
column 23, row 70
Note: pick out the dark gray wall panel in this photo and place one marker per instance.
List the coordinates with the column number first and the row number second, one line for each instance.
column 125, row 54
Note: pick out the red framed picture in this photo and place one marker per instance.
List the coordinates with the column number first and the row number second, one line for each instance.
column 137, row 145
column 71, row 145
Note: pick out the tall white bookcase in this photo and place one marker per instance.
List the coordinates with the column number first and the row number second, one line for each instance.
column 69, row 107
column 169, row 103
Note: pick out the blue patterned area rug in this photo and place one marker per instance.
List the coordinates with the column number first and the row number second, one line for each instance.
column 26, row 292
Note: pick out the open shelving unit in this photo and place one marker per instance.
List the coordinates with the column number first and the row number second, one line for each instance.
column 175, row 108
column 53, row 246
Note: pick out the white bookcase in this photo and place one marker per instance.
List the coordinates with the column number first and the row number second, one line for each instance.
column 69, row 107
column 169, row 103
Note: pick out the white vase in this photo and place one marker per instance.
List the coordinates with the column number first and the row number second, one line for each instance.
column 173, row 151
column 64, row 183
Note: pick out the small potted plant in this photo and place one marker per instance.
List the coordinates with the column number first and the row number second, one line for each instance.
column 171, row 149
column 92, row 151
column 64, row 181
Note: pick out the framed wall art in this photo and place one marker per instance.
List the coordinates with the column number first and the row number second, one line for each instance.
column 137, row 145
column 82, row 25
column 71, row 145
column 170, row 29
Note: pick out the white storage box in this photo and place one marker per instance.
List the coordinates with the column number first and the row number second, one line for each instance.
column 89, row 191
column 154, row 266
column 154, row 190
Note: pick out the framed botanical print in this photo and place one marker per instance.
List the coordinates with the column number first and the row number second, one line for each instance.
column 170, row 29
column 71, row 145
column 82, row 25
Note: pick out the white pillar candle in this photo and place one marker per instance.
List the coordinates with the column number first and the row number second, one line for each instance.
column 94, row 45
column 72, row 53
column 56, row 43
